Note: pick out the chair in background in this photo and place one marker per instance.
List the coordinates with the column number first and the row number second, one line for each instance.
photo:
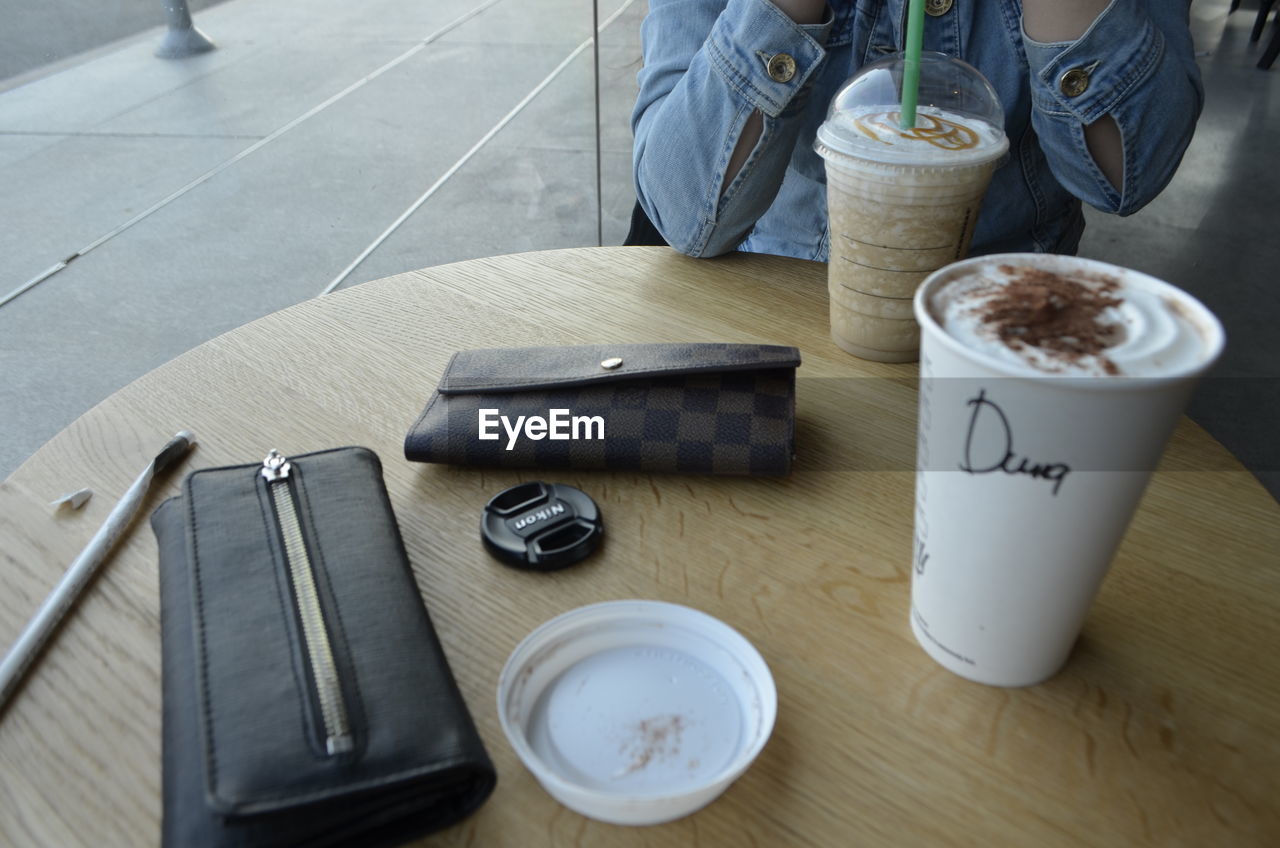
column 1269, row 55
column 643, row 232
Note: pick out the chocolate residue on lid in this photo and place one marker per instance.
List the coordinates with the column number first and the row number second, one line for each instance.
column 1058, row 314
column 659, row 737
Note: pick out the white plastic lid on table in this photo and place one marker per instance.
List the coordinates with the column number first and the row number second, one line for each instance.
column 636, row 712
column 959, row 119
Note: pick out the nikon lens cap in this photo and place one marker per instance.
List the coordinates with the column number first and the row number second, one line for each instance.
column 542, row 526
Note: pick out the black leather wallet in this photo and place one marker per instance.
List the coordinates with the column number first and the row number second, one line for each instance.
column 307, row 700
column 694, row 408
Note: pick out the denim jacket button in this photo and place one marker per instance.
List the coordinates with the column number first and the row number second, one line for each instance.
column 1074, row 82
column 781, row 67
column 937, row 8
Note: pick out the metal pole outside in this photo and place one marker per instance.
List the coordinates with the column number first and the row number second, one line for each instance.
column 182, row 39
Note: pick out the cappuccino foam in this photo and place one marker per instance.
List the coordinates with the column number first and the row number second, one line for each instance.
column 1070, row 323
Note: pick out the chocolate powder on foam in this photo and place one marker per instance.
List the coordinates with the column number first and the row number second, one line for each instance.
column 1055, row 313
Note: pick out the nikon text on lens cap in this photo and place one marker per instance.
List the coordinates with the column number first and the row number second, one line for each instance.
column 541, row 526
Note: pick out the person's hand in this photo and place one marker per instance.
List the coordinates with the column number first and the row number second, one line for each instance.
column 803, row 11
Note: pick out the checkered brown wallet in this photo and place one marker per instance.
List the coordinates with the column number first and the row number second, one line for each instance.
column 689, row 408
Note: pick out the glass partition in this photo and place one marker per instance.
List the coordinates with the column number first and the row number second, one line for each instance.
column 153, row 203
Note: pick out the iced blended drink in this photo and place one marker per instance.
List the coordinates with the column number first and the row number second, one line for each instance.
column 901, row 203
column 1048, row 388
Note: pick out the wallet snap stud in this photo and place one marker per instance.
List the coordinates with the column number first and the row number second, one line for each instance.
column 611, row 363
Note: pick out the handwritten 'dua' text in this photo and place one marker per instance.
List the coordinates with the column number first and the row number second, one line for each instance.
column 991, row 425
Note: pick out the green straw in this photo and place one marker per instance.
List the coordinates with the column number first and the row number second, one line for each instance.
column 911, row 69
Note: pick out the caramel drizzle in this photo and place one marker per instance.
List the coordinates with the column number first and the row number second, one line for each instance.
column 931, row 129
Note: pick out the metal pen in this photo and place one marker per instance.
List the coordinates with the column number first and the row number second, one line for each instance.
column 37, row 633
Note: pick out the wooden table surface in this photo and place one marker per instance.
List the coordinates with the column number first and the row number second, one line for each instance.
column 1164, row 728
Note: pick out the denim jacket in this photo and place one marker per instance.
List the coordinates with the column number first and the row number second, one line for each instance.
column 705, row 70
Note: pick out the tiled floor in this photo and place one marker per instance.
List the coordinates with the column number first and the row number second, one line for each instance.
column 261, row 171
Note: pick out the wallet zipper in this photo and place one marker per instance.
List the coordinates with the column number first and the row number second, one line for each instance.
column 324, row 670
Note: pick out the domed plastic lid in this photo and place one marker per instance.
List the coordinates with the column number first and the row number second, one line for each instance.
column 959, row 119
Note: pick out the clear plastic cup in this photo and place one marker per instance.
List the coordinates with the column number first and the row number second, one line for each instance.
column 902, row 203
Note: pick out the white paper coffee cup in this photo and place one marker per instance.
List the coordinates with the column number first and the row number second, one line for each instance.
column 1026, row 480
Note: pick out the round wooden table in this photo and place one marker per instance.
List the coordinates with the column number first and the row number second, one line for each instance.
column 1163, row 729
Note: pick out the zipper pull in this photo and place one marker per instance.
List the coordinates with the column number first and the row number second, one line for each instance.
column 325, row 676
column 275, row 466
